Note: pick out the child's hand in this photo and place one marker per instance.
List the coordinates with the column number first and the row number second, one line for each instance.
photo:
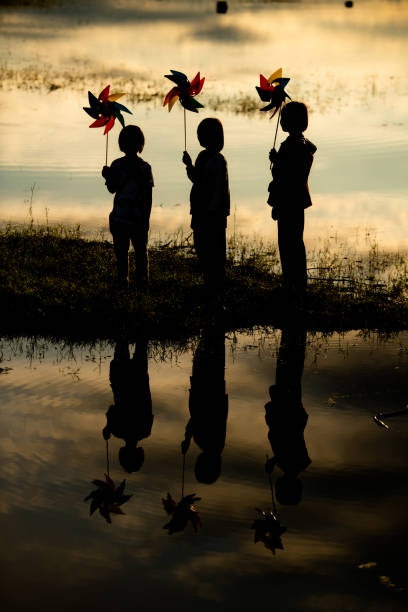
column 105, row 171
column 273, row 154
column 187, row 159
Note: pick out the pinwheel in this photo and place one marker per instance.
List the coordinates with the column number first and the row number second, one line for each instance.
column 104, row 109
column 272, row 90
column 181, row 513
column 184, row 91
column 107, row 498
column 268, row 530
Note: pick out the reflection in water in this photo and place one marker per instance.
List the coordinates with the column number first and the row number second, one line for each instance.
column 131, row 416
column 181, row 513
column 286, row 419
column 208, row 404
column 107, row 498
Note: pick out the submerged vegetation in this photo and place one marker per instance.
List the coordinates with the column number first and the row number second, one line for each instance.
column 56, row 282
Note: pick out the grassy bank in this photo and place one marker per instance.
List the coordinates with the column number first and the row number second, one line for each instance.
column 54, row 282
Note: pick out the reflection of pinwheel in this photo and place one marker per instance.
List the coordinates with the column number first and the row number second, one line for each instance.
column 181, row 513
column 107, row 498
column 272, row 90
column 268, row 530
column 105, row 109
column 185, row 92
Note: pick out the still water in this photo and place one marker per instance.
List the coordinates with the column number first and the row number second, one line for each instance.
column 339, row 482
column 348, row 65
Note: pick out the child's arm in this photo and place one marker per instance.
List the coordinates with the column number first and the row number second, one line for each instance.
column 273, row 155
column 112, row 178
column 191, row 171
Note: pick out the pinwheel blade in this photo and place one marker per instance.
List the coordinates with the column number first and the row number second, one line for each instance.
column 93, row 101
column 191, row 104
column 120, row 118
column 275, row 75
column 263, row 82
column 104, row 94
column 109, row 125
column 92, row 112
column 172, row 101
column 115, row 96
column 122, row 108
column 169, row 96
column 179, row 78
column 281, row 82
column 99, row 123
column 264, row 94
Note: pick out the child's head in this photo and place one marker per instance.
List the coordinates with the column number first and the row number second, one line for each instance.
column 208, row 467
column 210, row 134
column 131, row 458
column 294, row 117
column 288, row 490
column 131, row 140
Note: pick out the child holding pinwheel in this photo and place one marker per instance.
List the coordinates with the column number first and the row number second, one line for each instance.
column 130, row 179
column 289, row 193
column 210, row 202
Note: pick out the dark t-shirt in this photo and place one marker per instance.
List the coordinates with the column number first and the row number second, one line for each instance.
column 131, row 179
column 210, row 191
column 290, row 172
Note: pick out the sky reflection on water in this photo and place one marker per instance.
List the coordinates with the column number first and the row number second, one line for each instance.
column 352, row 512
column 349, row 66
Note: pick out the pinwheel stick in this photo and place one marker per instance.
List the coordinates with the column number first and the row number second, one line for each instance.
column 277, row 126
column 107, row 457
column 106, row 153
column 271, row 487
column 182, row 475
column 185, row 131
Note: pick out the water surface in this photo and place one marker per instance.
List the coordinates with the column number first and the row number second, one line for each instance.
column 344, row 547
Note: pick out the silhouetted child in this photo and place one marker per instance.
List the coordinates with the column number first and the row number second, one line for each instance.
column 208, row 404
column 210, row 202
column 130, row 179
column 130, row 417
column 286, row 417
column 289, row 193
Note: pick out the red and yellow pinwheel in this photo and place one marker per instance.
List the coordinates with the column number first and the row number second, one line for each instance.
column 105, row 109
column 184, row 91
column 272, row 90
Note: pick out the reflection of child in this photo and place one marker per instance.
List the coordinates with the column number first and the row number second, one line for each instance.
column 289, row 193
column 130, row 179
column 210, row 201
column 130, row 417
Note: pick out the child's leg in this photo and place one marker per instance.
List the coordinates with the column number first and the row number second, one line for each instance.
column 139, row 240
column 121, row 248
column 292, row 249
column 210, row 246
